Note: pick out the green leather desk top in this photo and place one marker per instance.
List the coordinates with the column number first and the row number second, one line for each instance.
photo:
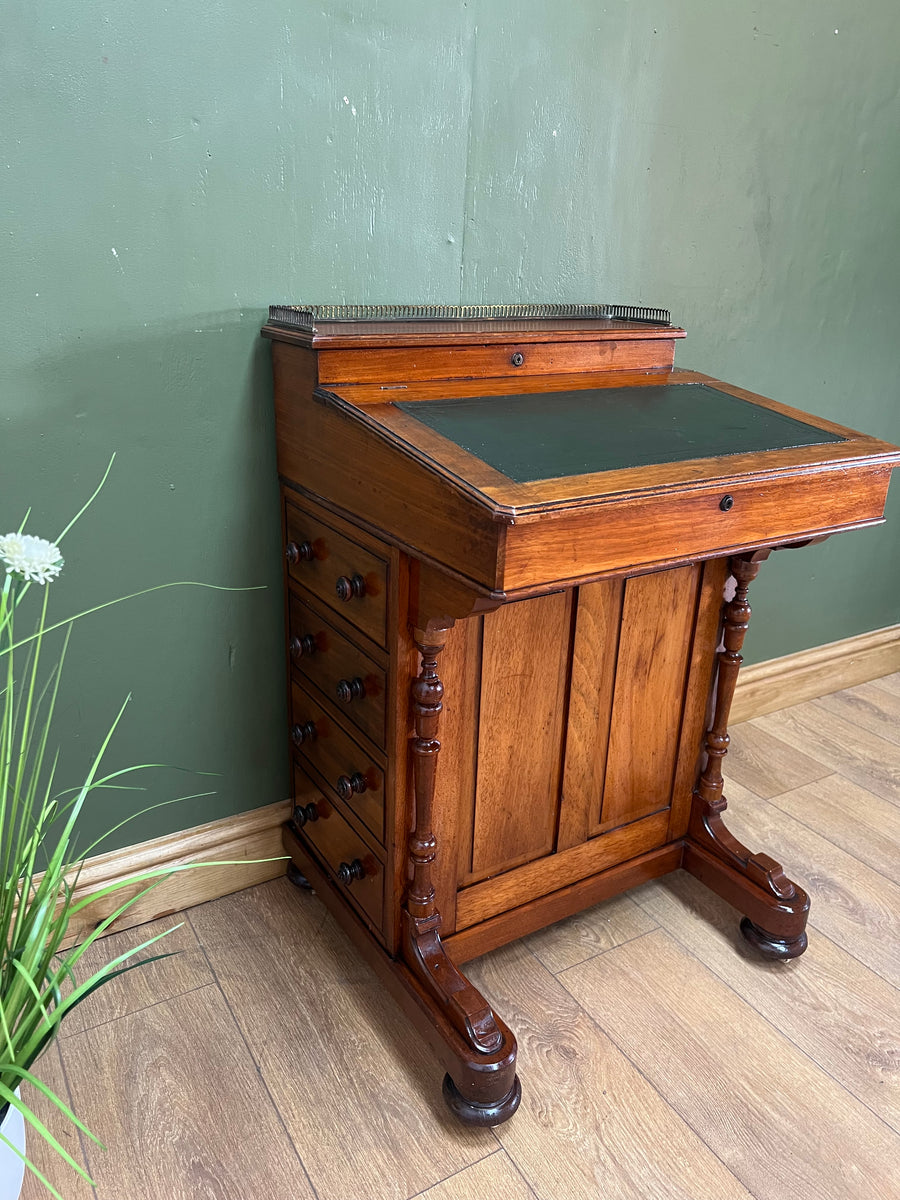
column 549, row 435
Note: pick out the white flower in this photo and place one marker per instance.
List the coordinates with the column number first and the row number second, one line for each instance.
column 30, row 557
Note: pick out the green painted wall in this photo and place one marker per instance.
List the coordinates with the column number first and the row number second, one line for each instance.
column 169, row 169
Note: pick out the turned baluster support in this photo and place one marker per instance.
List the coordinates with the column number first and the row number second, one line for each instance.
column 463, row 1004
column 778, row 907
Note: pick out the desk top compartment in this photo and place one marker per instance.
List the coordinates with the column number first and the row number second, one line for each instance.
column 512, row 481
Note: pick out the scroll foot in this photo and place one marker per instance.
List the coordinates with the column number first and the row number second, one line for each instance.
column 769, row 945
column 297, row 878
column 484, row 1114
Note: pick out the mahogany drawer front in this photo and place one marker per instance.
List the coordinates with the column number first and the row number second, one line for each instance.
column 482, row 362
column 705, row 522
column 343, row 764
column 349, row 578
column 352, row 864
column 347, row 676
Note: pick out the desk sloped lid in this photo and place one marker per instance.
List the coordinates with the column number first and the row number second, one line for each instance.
column 536, row 436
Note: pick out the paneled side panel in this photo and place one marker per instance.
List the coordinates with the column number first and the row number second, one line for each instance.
column 657, row 620
column 525, row 659
column 590, row 708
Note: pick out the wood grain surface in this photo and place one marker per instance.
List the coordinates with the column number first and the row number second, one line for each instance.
column 590, row 1124
column 356, row 1089
column 859, row 754
column 672, row 1063
column 655, row 643
column 49, row 1070
column 837, row 1011
column 524, row 669
column 775, row 1118
column 854, row 905
column 133, row 1083
column 494, row 1178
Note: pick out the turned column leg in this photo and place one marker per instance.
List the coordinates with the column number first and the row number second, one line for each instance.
column 776, row 908
column 487, row 1090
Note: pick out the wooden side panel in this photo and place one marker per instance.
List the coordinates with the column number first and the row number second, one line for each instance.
column 657, row 620
column 590, row 708
column 525, row 660
column 330, row 454
column 533, row 879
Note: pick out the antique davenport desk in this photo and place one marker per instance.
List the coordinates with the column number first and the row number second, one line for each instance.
column 518, row 548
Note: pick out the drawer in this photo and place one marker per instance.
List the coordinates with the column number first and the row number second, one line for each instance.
column 342, row 763
column 351, row 863
column 347, row 577
column 482, row 362
column 339, row 669
column 706, row 522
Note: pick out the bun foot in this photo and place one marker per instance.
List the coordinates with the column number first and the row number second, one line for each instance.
column 481, row 1114
column 297, row 878
column 770, row 946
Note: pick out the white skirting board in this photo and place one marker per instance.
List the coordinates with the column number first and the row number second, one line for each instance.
column 762, row 688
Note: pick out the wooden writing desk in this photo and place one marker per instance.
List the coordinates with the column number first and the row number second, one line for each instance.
column 526, row 544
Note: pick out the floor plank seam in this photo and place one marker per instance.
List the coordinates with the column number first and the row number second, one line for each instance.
column 454, row 1174
column 887, row 799
column 749, row 1003
column 253, row 1057
column 825, row 838
column 606, row 949
column 82, row 1139
column 65, row 1037
column 678, row 1116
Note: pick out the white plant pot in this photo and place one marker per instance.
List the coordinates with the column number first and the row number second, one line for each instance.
column 12, row 1169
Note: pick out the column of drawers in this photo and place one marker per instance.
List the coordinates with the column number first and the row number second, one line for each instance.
column 337, row 635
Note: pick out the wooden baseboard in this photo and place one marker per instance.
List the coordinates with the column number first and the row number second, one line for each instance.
column 780, row 682
column 234, row 840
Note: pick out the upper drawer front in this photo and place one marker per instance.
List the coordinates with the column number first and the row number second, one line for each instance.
column 349, row 578
column 347, row 677
column 483, row 362
column 702, row 523
column 347, row 768
column 355, row 867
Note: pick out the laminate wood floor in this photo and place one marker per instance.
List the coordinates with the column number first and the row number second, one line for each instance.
column 659, row 1058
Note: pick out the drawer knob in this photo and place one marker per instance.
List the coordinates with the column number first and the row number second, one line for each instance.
column 302, row 646
column 350, row 689
column 350, row 871
column 726, row 503
column 347, row 785
column 517, row 359
column 304, row 813
column 296, row 552
column 348, row 588
column 303, row 733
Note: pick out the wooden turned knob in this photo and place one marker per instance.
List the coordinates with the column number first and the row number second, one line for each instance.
column 304, row 813
column 296, row 552
column 350, row 689
column 347, row 589
column 303, row 733
column 726, row 503
column 517, row 359
column 348, row 784
column 347, row 872
column 300, row 646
